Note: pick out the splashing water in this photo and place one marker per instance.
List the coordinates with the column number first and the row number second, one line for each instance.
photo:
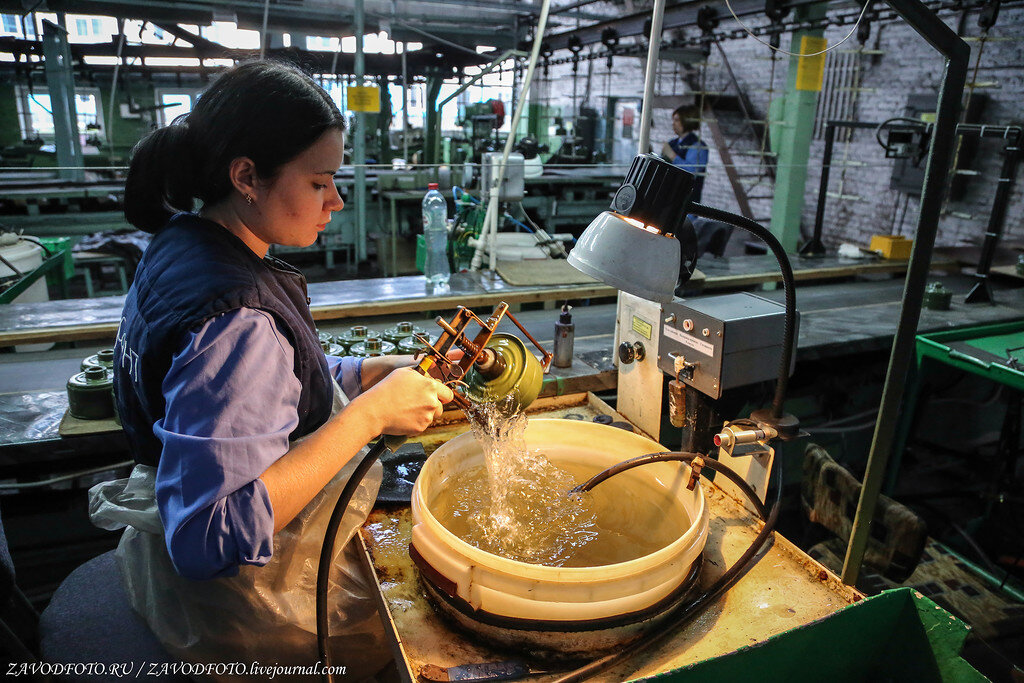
column 520, row 509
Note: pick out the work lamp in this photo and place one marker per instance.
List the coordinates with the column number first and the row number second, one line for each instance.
column 643, row 243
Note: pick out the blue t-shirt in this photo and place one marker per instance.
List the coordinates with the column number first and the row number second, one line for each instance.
column 232, row 400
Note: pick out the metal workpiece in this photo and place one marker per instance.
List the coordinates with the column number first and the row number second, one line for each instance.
column 720, row 342
column 937, row 297
column 354, row 335
column 332, row 348
column 373, row 346
column 565, row 335
column 104, row 359
column 401, row 331
column 416, row 344
column 730, row 437
column 90, row 394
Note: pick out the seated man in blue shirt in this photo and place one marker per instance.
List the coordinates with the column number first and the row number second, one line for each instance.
column 687, row 150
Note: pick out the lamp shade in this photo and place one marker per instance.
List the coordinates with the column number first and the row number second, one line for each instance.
column 628, row 257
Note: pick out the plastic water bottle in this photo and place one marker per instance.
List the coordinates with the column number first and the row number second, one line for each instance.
column 435, row 235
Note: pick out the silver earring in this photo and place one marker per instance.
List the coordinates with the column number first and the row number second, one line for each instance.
column 248, row 198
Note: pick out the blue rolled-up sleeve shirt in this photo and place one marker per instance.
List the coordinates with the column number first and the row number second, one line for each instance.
column 231, row 402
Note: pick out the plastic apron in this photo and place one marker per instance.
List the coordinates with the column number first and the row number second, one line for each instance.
column 264, row 614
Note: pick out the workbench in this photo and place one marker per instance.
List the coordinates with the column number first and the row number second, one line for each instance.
column 784, row 590
column 97, row 319
column 837, row 320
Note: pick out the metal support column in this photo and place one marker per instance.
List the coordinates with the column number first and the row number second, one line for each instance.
column 794, row 147
column 982, row 291
column 359, row 139
column 60, row 79
column 940, row 155
column 432, row 130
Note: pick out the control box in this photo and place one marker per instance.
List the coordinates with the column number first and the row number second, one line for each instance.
column 719, row 342
column 513, row 187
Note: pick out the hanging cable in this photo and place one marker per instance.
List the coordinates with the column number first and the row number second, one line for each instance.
column 685, row 612
column 867, row 4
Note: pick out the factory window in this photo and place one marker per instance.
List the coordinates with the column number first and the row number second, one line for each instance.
column 87, row 27
column 322, row 43
column 11, row 25
column 174, row 103
column 35, row 112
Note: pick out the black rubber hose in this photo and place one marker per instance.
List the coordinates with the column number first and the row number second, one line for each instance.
column 788, row 283
column 683, row 613
column 680, row 456
column 327, row 553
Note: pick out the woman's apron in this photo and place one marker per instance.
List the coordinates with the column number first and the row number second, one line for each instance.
column 264, row 614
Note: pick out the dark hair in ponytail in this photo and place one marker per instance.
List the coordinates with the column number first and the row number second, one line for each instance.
column 266, row 111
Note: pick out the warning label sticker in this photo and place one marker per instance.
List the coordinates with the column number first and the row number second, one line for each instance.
column 642, row 327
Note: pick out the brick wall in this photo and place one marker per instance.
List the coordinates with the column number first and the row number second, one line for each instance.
column 906, row 65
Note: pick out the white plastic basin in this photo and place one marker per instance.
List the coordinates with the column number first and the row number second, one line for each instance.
column 509, row 594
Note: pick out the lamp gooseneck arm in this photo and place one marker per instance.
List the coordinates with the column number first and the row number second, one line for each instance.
column 788, row 283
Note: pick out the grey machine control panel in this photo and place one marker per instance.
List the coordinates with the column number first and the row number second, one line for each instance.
column 719, row 342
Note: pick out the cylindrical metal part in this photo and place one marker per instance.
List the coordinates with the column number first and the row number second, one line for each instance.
column 332, row 349
column 565, row 333
column 490, row 365
column 676, row 403
column 354, row 335
column 411, row 345
column 373, row 346
column 90, row 395
column 104, row 359
column 401, row 331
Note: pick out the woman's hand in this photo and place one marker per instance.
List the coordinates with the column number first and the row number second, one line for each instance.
column 404, row 402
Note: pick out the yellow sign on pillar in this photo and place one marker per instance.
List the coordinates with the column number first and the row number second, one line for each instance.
column 365, row 98
column 810, row 71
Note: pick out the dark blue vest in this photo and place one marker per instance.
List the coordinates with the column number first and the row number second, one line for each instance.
column 194, row 270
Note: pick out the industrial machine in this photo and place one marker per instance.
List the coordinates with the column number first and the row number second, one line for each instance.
column 642, row 245
column 481, row 122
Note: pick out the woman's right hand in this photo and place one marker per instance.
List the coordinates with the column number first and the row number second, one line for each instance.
column 405, row 402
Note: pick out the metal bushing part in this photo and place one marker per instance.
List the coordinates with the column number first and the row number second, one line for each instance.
column 373, row 346
column 354, row 335
column 90, row 394
column 937, row 297
column 104, row 359
column 332, row 349
column 412, row 345
column 400, row 331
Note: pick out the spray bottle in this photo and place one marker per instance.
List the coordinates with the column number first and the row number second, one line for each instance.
column 565, row 332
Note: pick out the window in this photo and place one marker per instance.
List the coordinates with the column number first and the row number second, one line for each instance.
column 35, row 112
column 174, row 103
column 11, row 25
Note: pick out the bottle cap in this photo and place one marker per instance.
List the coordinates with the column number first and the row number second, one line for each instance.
column 432, row 186
column 565, row 317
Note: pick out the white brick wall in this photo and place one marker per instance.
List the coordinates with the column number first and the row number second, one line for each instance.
column 908, row 66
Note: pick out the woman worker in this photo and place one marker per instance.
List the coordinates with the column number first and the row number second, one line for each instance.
column 241, row 431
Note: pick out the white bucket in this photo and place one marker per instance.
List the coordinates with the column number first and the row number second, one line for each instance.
column 26, row 256
column 513, row 599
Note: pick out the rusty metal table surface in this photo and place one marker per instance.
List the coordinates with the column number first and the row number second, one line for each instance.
column 785, row 589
